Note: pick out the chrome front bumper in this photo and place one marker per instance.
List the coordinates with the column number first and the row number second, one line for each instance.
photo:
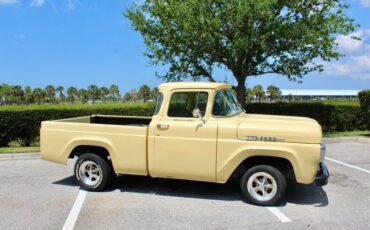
column 322, row 175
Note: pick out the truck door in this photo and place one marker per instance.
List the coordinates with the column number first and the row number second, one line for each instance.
column 185, row 147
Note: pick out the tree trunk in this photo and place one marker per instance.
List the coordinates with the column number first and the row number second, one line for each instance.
column 240, row 93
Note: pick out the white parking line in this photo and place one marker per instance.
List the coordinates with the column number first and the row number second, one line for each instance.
column 75, row 211
column 281, row 216
column 348, row 165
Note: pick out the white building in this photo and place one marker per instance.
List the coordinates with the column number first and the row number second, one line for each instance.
column 320, row 94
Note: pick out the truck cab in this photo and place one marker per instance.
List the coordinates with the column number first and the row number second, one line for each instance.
column 198, row 132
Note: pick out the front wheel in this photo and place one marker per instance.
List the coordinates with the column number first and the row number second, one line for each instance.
column 92, row 172
column 263, row 185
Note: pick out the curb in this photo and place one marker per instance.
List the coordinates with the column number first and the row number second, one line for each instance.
column 346, row 139
column 19, row 156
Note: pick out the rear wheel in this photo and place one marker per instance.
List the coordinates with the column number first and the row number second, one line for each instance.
column 92, row 172
column 263, row 185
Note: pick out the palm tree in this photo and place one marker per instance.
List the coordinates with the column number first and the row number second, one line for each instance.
column 133, row 94
column 114, row 91
column 94, row 92
column 144, row 92
column 127, row 97
column 17, row 93
column 153, row 93
column 72, row 94
column 248, row 95
column 50, row 93
column 60, row 91
column 28, row 97
column 38, row 95
column 83, row 94
column 104, row 92
column 258, row 92
column 274, row 92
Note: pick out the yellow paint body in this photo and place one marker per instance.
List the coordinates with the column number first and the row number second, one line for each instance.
column 187, row 148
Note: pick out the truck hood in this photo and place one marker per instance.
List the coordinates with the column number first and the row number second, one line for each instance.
column 255, row 127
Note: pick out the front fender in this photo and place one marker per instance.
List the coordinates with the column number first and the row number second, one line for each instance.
column 303, row 157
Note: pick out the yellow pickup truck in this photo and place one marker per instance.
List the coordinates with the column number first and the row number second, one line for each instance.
column 198, row 132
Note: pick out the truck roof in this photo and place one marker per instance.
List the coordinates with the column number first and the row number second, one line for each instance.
column 192, row 85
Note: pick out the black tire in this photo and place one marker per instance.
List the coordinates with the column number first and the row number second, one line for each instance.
column 271, row 171
column 102, row 167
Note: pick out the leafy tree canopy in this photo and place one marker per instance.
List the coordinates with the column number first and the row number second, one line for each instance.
column 247, row 37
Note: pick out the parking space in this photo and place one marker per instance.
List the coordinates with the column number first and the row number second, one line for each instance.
column 42, row 195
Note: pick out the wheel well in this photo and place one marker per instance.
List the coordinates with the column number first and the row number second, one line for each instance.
column 282, row 164
column 100, row 151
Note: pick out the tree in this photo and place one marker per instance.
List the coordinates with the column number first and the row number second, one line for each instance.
column 258, row 92
column 28, row 95
column 144, row 93
column 72, row 93
column 104, row 92
column 114, row 91
column 17, row 94
column 94, row 92
column 127, row 97
column 153, row 93
column 134, row 94
column 273, row 92
column 50, row 93
column 248, row 95
column 5, row 93
column 38, row 94
column 83, row 95
column 60, row 91
column 246, row 37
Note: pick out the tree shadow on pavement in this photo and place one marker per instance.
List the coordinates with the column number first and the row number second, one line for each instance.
column 296, row 193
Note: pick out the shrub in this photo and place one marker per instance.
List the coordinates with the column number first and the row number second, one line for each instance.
column 331, row 116
column 22, row 123
column 364, row 98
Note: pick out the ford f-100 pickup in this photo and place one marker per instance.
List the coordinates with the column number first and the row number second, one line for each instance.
column 198, row 132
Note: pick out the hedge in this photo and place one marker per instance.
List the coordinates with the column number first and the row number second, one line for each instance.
column 22, row 123
column 333, row 117
column 364, row 98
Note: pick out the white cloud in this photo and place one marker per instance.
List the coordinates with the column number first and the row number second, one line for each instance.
column 37, row 3
column 348, row 45
column 71, row 4
column 357, row 67
column 365, row 3
column 8, row 2
column 356, row 63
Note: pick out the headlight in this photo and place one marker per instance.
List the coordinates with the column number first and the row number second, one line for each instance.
column 322, row 152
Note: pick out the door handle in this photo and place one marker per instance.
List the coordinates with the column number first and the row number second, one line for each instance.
column 163, row 126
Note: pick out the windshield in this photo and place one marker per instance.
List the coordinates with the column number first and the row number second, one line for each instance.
column 225, row 104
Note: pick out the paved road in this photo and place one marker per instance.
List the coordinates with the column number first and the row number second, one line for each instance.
column 40, row 195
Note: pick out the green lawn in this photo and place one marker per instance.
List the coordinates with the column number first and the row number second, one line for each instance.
column 349, row 134
column 32, row 149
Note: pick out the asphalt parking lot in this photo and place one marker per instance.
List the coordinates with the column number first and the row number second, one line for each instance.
column 40, row 195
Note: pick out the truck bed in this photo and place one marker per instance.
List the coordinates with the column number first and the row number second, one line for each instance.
column 124, row 137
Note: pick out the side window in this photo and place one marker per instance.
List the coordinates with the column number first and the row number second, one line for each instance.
column 182, row 104
column 158, row 103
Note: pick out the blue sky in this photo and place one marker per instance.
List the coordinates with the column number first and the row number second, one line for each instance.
column 83, row 42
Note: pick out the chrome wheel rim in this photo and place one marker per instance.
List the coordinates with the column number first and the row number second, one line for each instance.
column 90, row 173
column 262, row 186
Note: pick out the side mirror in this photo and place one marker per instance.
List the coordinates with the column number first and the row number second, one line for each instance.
column 197, row 114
